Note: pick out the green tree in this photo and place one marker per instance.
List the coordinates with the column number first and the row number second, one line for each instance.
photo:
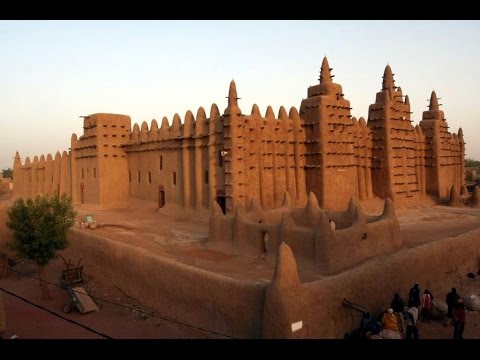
column 7, row 173
column 40, row 228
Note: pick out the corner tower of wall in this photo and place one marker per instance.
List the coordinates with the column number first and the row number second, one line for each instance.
column 100, row 163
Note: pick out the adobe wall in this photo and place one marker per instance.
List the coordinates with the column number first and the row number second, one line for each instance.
column 437, row 265
column 308, row 232
column 176, row 159
column 174, row 290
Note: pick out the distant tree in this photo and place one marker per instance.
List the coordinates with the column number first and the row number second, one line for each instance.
column 40, row 228
column 472, row 163
column 7, row 173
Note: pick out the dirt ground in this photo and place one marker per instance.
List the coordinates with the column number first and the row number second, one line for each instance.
column 183, row 241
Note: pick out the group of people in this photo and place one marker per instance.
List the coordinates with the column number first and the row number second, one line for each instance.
column 403, row 319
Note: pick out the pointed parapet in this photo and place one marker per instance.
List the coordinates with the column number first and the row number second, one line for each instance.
column 73, row 141
column 269, row 114
column 240, row 212
column 58, row 156
column 35, row 160
column 433, row 102
column 201, row 127
column 216, row 210
column 27, row 161
column 362, row 123
column 407, row 100
column 189, row 125
column 135, row 135
column 325, row 72
column 312, row 202
column 293, row 113
column 287, row 225
column 295, row 117
column 214, row 112
column 17, row 162
column 464, row 191
column 287, row 201
column 355, row 122
column 255, row 111
column 354, row 208
column 474, row 200
column 176, row 128
column 41, row 161
column 216, row 224
column 455, row 199
column 387, row 79
column 312, row 209
column 153, row 134
column 324, row 242
column 389, row 210
column 144, row 132
column 254, row 206
column 49, row 157
column 460, row 134
column 399, row 90
column 286, row 273
column 282, row 113
column 232, row 108
column 164, row 129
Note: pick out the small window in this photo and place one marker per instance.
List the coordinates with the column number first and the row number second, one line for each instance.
column 161, row 162
column 149, row 177
column 138, row 176
column 129, row 176
column 174, row 178
column 83, row 174
column 94, row 173
column 220, row 159
column 206, row 176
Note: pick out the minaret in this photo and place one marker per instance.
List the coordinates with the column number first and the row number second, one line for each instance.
column 326, row 120
column 232, row 97
column 444, row 168
column 325, row 75
column 431, row 126
column 17, row 176
column 394, row 171
column 233, row 151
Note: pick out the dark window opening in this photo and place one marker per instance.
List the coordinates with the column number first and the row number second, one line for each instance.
column 129, row 176
column 206, row 176
column 161, row 196
column 94, row 173
column 220, row 159
column 138, row 176
column 174, row 178
column 83, row 174
column 161, row 162
column 364, row 236
column 149, row 177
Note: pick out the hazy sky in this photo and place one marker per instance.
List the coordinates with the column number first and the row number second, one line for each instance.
column 52, row 72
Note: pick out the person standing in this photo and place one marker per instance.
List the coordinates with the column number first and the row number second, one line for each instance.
column 459, row 319
column 411, row 321
column 451, row 300
column 426, row 305
column 414, row 296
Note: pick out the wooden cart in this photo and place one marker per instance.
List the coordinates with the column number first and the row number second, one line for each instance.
column 72, row 279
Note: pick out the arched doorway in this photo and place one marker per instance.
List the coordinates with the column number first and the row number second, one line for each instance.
column 161, row 196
